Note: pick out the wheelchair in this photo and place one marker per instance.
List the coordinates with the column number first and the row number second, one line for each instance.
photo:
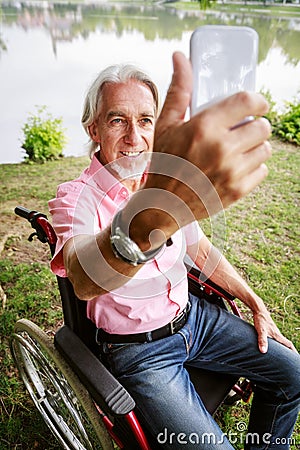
column 84, row 406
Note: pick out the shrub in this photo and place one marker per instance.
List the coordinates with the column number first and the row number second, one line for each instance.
column 272, row 115
column 286, row 125
column 44, row 137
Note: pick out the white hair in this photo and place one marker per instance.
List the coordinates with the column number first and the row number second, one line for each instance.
column 119, row 73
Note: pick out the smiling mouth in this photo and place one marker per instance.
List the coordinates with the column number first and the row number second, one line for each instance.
column 131, row 154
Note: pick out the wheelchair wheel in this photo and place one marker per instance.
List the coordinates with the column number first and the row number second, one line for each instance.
column 62, row 400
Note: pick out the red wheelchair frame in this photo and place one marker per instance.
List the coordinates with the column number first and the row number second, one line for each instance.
column 75, row 341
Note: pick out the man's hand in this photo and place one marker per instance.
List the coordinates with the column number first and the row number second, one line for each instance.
column 201, row 166
column 232, row 159
column 265, row 328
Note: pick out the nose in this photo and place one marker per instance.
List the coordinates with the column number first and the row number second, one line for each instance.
column 133, row 135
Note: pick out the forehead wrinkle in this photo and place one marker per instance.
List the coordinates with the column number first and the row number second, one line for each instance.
column 117, row 100
column 115, row 113
column 119, row 113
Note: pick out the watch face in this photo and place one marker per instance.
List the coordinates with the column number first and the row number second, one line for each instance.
column 126, row 249
column 120, row 254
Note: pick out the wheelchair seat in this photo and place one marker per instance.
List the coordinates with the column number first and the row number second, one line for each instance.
column 212, row 387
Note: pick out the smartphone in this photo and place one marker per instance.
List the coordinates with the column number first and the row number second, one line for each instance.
column 224, row 60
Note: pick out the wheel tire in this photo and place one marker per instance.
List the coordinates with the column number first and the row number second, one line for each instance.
column 62, row 400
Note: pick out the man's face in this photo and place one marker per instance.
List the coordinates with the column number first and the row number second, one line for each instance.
column 125, row 128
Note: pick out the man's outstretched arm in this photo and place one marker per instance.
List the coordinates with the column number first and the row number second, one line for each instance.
column 198, row 167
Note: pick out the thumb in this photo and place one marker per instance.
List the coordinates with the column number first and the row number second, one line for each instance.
column 179, row 94
column 263, row 342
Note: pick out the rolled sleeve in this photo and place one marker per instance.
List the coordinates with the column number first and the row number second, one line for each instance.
column 69, row 219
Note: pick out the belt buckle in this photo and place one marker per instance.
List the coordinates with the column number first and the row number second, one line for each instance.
column 181, row 316
column 97, row 337
column 175, row 321
column 172, row 328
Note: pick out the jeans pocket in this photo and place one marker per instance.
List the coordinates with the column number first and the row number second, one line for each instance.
column 122, row 357
column 114, row 348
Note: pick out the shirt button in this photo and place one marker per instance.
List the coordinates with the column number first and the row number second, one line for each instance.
column 124, row 193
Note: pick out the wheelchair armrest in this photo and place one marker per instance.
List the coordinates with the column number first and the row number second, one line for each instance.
column 107, row 392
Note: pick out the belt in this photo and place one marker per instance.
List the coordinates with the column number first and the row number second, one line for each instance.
column 167, row 330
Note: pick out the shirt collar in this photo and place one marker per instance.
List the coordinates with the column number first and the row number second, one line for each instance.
column 105, row 180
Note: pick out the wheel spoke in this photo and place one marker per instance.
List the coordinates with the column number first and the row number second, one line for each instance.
column 53, row 395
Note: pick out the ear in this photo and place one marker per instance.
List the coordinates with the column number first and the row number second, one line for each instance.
column 93, row 132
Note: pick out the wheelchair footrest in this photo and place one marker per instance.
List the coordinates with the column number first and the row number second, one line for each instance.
column 111, row 396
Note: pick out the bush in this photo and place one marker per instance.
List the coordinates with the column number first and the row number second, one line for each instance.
column 44, row 137
column 286, row 125
column 273, row 115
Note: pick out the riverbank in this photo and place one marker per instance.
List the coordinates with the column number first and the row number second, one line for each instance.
column 268, row 6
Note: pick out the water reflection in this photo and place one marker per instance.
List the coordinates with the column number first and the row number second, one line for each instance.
column 49, row 52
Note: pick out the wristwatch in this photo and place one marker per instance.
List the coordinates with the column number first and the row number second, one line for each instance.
column 125, row 248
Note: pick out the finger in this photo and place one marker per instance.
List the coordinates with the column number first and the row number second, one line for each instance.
column 286, row 342
column 242, row 186
column 253, row 159
column 232, row 110
column 289, row 345
column 179, row 94
column 249, row 135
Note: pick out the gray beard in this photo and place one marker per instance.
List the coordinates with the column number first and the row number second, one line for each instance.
column 130, row 168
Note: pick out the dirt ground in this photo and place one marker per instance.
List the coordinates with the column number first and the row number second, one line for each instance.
column 14, row 243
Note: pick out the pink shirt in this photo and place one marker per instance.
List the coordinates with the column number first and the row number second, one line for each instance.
column 158, row 291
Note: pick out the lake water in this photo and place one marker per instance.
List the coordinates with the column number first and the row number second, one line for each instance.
column 49, row 53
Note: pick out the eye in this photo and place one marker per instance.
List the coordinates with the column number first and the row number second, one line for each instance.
column 117, row 120
column 146, row 121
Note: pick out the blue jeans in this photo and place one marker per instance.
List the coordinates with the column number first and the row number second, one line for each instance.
column 216, row 340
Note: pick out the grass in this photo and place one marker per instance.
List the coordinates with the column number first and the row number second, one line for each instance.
column 261, row 240
column 32, row 293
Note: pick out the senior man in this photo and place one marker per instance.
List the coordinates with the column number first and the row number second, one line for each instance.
column 124, row 227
